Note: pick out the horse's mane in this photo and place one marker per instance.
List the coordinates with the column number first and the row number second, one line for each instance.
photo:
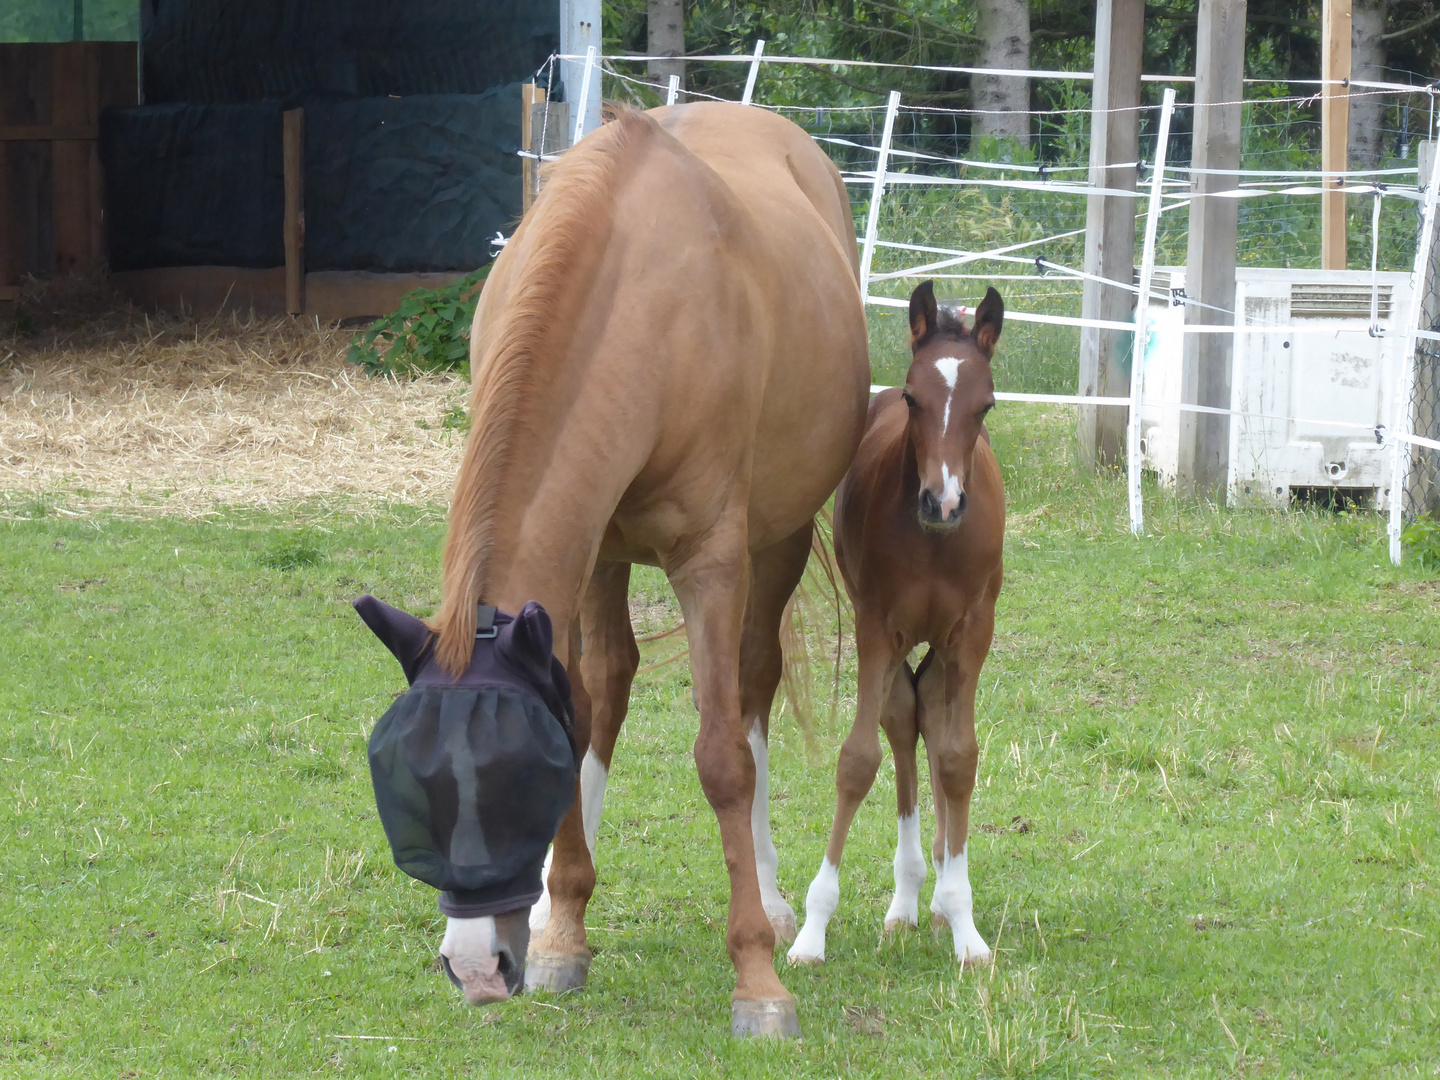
column 576, row 204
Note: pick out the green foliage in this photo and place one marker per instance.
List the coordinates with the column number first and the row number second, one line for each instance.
column 455, row 418
column 1422, row 539
column 429, row 331
column 290, row 549
column 54, row 20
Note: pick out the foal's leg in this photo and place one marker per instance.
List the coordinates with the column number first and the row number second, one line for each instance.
column 774, row 574
column 902, row 732
column 712, row 584
column 947, row 720
column 608, row 663
column 880, row 658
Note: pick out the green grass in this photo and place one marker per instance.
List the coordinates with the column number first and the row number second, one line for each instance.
column 1223, row 736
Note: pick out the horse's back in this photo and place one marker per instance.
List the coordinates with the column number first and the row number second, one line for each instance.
column 761, row 155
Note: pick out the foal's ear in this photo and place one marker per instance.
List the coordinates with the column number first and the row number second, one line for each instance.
column 923, row 315
column 989, row 317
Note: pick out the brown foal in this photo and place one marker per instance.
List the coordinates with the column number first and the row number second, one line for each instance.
column 919, row 531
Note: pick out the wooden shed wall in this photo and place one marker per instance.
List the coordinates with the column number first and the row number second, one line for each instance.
column 51, row 187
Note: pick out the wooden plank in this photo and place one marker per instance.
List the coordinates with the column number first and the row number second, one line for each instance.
column 1110, row 226
column 530, row 96
column 76, row 102
column 1204, row 451
column 8, row 272
column 294, row 154
column 1334, row 129
column 49, row 133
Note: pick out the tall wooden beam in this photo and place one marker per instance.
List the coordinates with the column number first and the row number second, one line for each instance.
column 1204, row 451
column 1334, row 129
column 75, row 163
column 293, row 151
column 1110, row 225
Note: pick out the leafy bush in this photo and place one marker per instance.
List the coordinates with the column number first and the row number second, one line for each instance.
column 429, row 331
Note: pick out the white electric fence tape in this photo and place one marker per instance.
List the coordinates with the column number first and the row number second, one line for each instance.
column 1165, row 194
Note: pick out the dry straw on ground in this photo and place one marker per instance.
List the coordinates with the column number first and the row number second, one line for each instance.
column 103, row 407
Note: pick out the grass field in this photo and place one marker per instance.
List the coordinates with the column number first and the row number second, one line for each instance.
column 1208, row 819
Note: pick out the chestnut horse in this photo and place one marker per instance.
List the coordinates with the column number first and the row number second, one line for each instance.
column 669, row 367
column 919, row 531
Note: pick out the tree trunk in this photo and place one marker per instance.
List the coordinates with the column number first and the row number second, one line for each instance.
column 1003, row 102
column 665, row 28
column 1367, row 64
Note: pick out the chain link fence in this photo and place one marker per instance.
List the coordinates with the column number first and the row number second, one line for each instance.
column 1421, row 490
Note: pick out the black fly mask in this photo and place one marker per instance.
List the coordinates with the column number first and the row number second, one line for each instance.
column 473, row 774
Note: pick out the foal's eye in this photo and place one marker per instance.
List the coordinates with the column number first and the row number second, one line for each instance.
column 910, row 401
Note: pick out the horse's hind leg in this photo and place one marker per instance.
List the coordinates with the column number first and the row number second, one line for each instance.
column 902, row 732
column 608, row 662
column 774, row 574
column 713, row 583
column 880, row 658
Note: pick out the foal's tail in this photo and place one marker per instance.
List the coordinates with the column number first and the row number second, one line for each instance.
column 816, row 611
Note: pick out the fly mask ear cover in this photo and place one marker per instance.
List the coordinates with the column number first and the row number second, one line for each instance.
column 473, row 775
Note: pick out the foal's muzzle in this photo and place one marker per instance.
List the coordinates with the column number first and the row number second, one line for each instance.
column 933, row 515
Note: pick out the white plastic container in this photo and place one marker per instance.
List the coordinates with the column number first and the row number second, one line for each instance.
column 1290, row 384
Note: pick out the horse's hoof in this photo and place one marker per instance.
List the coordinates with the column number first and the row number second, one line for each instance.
column 556, row 972
column 766, row 1018
column 783, row 923
column 896, row 927
column 938, row 922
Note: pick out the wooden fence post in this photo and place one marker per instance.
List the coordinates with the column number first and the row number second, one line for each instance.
column 1334, row 130
column 1203, row 468
column 1110, row 225
column 294, row 155
column 530, row 96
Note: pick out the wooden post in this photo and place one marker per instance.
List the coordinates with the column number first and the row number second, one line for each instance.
column 75, row 89
column 1110, row 225
column 1334, row 129
column 530, row 96
column 1204, row 451
column 294, row 155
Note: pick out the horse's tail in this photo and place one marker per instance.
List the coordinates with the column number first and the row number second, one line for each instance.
column 815, row 612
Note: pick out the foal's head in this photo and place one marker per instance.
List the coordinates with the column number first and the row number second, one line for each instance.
column 948, row 390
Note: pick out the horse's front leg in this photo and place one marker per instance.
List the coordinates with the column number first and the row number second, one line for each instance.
column 881, row 656
column 608, row 663
column 559, row 958
column 712, row 584
column 947, row 720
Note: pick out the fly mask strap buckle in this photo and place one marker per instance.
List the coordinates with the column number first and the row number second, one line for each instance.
column 485, row 621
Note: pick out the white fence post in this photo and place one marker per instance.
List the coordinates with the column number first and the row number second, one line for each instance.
column 754, row 72
column 674, row 91
column 584, row 96
column 877, row 192
column 1142, row 312
column 1403, row 421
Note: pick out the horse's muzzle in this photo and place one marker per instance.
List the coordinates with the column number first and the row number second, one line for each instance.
column 485, row 957
column 932, row 514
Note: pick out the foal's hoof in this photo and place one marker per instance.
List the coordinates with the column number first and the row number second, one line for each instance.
column 896, row 927
column 768, row 1018
column 938, row 922
column 556, row 972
